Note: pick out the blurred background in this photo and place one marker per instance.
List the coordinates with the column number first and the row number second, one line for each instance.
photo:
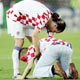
column 69, row 10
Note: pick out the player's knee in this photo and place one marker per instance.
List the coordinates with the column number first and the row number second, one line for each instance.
column 19, row 42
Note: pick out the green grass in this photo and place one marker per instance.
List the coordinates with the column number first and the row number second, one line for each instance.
column 7, row 43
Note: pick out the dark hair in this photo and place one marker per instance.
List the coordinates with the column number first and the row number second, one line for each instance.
column 60, row 22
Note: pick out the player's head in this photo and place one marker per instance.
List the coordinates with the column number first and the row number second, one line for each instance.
column 60, row 22
column 56, row 24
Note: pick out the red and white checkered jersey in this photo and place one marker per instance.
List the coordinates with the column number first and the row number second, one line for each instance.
column 30, row 12
column 44, row 43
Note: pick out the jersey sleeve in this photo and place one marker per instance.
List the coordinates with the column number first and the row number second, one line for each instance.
column 30, row 53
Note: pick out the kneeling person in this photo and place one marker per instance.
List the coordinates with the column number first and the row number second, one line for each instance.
column 57, row 50
column 52, row 50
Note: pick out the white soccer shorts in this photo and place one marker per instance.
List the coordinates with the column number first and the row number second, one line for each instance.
column 18, row 30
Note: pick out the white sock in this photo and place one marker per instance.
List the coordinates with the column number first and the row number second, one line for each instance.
column 15, row 58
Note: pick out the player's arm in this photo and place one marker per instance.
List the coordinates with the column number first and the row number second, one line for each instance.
column 27, row 69
column 35, row 40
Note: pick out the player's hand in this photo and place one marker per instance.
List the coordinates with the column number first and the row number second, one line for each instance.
column 19, row 77
column 38, row 56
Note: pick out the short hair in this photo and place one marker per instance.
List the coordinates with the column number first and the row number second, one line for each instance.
column 60, row 22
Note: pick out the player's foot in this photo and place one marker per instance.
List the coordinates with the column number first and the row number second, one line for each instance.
column 73, row 72
column 59, row 71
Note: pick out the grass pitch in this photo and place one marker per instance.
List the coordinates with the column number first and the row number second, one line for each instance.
column 7, row 43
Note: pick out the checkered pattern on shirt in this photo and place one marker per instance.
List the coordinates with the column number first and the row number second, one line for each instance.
column 38, row 21
column 55, row 41
column 30, row 53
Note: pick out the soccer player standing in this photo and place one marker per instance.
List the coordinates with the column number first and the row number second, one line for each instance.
column 26, row 19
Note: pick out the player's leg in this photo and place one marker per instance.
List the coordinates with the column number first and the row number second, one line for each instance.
column 58, row 70
column 73, row 71
column 65, row 59
column 44, row 65
column 29, row 38
column 16, row 30
column 28, row 33
column 20, row 40
column 15, row 55
column 23, row 51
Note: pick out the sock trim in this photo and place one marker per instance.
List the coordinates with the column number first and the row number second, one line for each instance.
column 17, row 48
